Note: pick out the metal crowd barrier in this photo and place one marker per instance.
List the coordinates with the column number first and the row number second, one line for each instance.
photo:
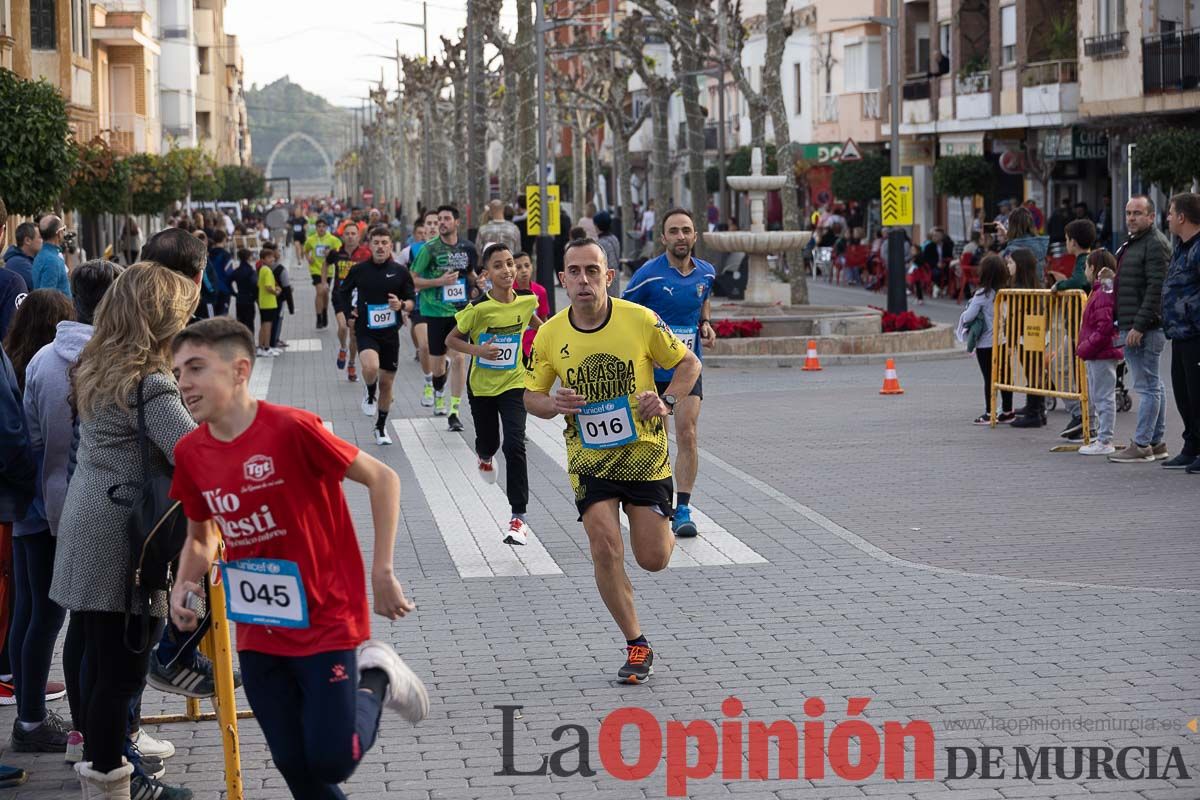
column 1034, row 340
column 215, row 646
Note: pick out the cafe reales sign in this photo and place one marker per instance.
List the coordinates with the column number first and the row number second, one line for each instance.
column 1066, row 144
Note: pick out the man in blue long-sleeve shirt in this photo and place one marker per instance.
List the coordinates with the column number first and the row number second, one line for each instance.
column 50, row 268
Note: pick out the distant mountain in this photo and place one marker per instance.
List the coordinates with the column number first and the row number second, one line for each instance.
column 282, row 108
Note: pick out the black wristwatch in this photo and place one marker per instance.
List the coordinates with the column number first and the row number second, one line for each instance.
column 669, row 399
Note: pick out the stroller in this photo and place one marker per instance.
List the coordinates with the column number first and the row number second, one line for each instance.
column 1123, row 400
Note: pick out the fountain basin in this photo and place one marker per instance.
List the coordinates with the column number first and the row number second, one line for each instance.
column 756, row 183
column 756, row 242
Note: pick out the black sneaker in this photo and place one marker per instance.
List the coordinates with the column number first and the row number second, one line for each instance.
column 455, row 423
column 1074, row 436
column 1073, row 427
column 1029, row 421
column 639, row 666
column 1193, row 468
column 1181, row 461
column 195, row 681
column 144, row 765
column 143, row 787
column 49, row 737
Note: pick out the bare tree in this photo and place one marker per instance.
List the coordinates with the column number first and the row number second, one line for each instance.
column 736, row 34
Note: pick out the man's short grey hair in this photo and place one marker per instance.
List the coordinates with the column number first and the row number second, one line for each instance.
column 1149, row 202
column 586, row 241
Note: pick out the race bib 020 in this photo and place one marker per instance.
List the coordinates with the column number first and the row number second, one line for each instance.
column 265, row 591
column 381, row 316
column 608, row 423
column 455, row 292
column 685, row 334
column 510, row 348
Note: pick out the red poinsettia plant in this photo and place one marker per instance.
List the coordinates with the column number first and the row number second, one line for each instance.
column 737, row 328
column 905, row 321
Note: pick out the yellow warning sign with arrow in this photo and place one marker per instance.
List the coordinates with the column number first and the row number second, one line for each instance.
column 533, row 204
column 897, row 200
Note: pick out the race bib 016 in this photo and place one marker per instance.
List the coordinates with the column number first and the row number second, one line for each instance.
column 685, row 334
column 455, row 292
column 510, row 348
column 382, row 316
column 265, row 591
column 608, row 423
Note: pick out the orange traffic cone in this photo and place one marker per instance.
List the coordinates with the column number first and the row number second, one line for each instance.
column 811, row 362
column 891, row 384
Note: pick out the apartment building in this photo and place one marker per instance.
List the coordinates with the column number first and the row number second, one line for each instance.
column 1139, row 68
column 125, row 65
column 221, row 125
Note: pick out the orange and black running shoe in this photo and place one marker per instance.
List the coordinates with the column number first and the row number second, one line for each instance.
column 639, row 665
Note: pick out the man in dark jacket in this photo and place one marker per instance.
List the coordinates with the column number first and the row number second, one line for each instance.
column 19, row 257
column 1141, row 266
column 1181, row 323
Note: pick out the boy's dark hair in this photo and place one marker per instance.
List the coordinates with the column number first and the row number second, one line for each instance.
column 577, row 233
column 379, row 230
column 178, row 251
column 267, row 251
column 322, row 221
column 429, row 211
column 243, row 254
column 1082, row 231
column 89, row 282
column 492, row 249
column 521, row 254
column 993, row 274
column 603, row 222
column 420, row 220
column 218, row 236
column 224, row 334
column 447, row 207
column 25, row 231
column 662, row 226
column 1188, row 204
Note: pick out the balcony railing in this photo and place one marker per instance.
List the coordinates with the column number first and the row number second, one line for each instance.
column 1042, row 73
column 1106, row 45
column 1171, row 61
column 130, row 133
column 870, row 105
column 827, row 108
column 916, row 90
column 974, row 83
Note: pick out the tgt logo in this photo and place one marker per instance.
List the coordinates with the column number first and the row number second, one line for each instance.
column 258, row 468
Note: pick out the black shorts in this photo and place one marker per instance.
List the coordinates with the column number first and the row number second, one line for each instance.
column 438, row 328
column 268, row 315
column 657, row 494
column 414, row 316
column 385, row 343
column 697, row 390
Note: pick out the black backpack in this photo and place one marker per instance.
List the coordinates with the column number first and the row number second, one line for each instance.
column 157, row 530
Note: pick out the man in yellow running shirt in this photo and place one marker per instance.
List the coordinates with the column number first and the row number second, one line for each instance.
column 603, row 350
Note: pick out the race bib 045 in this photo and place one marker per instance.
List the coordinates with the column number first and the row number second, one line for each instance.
column 265, row 591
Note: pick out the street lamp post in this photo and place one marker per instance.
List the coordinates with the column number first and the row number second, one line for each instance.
column 426, row 125
column 545, row 244
column 896, row 283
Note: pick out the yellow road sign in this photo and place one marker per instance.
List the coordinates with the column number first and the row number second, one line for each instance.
column 533, row 203
column 897, row 200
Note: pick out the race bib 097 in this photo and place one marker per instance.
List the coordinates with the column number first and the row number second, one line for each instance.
column 381, row 316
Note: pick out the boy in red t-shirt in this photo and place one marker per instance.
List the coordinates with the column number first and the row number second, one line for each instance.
column 270, row 478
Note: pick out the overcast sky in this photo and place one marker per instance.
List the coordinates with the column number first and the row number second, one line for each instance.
column 329, row 47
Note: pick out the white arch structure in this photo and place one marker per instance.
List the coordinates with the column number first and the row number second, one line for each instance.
column 316, row 146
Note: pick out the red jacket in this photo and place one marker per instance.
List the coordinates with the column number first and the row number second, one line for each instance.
column 1097, row 330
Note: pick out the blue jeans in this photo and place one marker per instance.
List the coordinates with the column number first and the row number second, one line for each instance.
column 1143, row 362
column 317, row 724
column 36, row 621
column 1102, row 389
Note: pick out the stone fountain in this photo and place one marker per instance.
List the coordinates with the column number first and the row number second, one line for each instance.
column 758, row 242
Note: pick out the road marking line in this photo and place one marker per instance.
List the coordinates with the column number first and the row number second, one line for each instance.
column 470, row 515
column 303, row 346
column 714, row 546
column 260, row 378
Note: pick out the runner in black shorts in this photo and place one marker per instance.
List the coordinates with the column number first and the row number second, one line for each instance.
column 425, row 228
column 385, row 289
column 339, row 263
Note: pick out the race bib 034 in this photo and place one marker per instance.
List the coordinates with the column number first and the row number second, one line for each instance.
column 455, row 292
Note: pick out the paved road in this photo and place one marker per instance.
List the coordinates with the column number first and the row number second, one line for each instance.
column 872, row 546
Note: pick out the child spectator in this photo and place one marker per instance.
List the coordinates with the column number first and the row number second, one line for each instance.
column 525, row 281
column 285, row 285
column 1096, row 346
column 993, row 276
column 244, row 281
column 268, row 302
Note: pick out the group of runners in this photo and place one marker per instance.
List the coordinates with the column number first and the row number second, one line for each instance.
column 268, row 478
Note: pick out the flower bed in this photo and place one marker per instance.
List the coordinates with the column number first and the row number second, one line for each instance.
column 906, row 321
column 737, row 328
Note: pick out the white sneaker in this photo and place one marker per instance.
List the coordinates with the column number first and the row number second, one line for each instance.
column 1097, row 449
column 368, row 406
column 406, row 693
column 149, row 746
column 381, row 437
column 262, row 352
column 440, row 406
column 487, row 470
column 518, row 532
column 274, row 351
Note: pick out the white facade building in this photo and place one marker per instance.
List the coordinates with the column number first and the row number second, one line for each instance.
column 178, row 72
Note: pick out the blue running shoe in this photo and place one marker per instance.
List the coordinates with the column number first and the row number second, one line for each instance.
column 682, row 523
